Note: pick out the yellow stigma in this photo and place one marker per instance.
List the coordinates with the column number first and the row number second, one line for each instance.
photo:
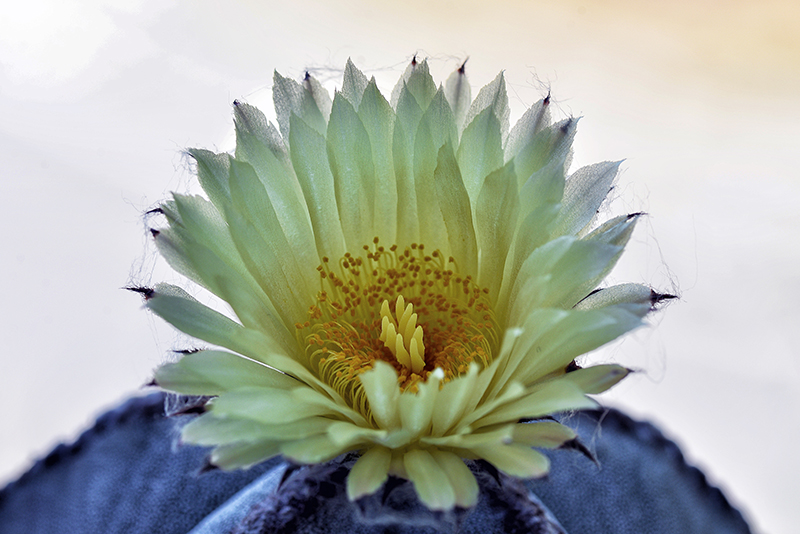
column 408, row 308
column 403, row 337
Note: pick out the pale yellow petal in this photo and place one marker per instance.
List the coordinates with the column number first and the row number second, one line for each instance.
column 514, row 459
column 546, row 434
column 461, row 478
column 369, row 472
column 430, row 481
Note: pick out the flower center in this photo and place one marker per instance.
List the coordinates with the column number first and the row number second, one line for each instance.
column 407, row 308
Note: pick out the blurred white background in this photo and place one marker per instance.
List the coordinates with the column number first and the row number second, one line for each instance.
column 99, row 97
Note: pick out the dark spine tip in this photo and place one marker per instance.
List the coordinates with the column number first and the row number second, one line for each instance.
column 414, row 60
column 658, row 298
column 573, row 366
column 186, row 351
column 546, row 101
column 154, row 211
column 236, row 103
column 575, row 444
column 154, row 232
column 635, row 215
column 461, row 69
column 306, row 76
column 152, row 383
column 145, row 292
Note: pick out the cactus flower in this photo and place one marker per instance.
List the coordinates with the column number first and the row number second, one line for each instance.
column 411, row 279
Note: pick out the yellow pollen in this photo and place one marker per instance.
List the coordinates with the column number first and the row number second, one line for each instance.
column 408, row 307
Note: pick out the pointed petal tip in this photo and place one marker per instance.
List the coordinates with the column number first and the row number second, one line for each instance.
column 576, row 444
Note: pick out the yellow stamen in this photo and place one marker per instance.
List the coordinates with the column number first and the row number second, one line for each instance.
column 406, row 307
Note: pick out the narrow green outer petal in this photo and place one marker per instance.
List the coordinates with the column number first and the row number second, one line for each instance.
column 553, row 338
column 534, row 120
column 436, row 127
column 616, row 231
column 482, row 398
column 552, row 144
column 271, row 406
column 258, row 141
column 257, row 145
column 539, row 205
column 560, row 274
column 369, row 473
column 204, row 225
column 244, row 454
column 461, row 478
column 420, row 84
column 353, row 84
column 212, row 173
column 276, row 273
column 495, row 221
column 310, row 160
column 521, row 349
column 531, row 234
column 292, row 98
column 251, row 200
column 480, row 151
column 325, row 397
column 459, row 95
column 545, row 434
column 243, row 293
column 211, row 372
column 403, row 141
column 545, row 187
column 501, row 366
column 510, row 394
column 312, row 450
column 469, row 440
column 204, row 241
column 493, row 96
column 380, row 386
column 585, row 191
column 456, row 211
column 171, row 244
column 401, row 86
column 319, row 94
column 430, row 481
column 350, row 157
column 294, row 368
column 598, row 378
column 210, row 429
column 552, row 397
column 637, row 295
column 378, row 118
column 515, row 460
column 189, row 316
column 345, row 434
